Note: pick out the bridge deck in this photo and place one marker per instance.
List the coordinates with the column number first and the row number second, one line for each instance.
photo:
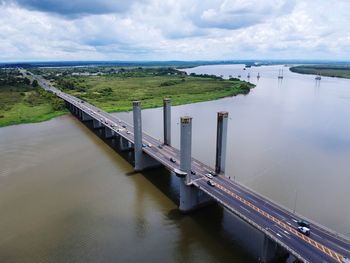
column 275, row 221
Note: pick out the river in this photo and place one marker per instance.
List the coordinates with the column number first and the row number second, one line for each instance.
column 66, row 196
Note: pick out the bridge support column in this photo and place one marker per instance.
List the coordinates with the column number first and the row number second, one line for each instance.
column 96, row 124
column 142, row 161
column 190, row 197
column 109, row 133
column 272, row 252
column 124, row 145
column 221, row 141
column 86, row 117
column 167, row 121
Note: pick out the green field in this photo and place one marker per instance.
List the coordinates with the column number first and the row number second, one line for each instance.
column 340, row 71
column 112, row 90
column 20, row 102
column 116, row 92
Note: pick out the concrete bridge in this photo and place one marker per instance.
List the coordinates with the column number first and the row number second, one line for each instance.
column 278, row 225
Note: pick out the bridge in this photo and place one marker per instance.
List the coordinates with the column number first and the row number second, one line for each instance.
column 278, row 224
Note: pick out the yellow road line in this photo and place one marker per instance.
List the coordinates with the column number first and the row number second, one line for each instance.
column 312, row 242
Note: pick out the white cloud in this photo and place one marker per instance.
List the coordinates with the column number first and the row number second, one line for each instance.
column 182, row 29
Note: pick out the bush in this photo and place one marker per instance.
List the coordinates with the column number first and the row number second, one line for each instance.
column 35, row 83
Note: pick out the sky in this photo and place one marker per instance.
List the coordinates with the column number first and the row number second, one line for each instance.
column 47, row 30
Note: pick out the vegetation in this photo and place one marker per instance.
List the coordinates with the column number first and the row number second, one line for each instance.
column 110, row 88
column 340, row 71
column 116, row 91
column 22, row 101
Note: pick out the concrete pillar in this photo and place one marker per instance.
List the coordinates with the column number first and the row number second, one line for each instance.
column 137, row 135
column 167, row 121
column 186, row 147
column 269, row 250
column 109, row 133
column 124, row 144
column 221, row 142
column 142, row 160
column 86, row 117
column 96, row 124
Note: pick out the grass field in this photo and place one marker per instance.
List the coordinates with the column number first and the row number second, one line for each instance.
column 20, row 102
column 340, row 71
column 116, row 93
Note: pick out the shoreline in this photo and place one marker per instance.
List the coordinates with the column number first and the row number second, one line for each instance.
column 322, row 70
column 53, row 115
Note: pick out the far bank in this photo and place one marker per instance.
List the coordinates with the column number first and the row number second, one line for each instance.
column 113, row 90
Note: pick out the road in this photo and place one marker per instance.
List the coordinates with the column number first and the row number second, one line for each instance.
column 275, row 221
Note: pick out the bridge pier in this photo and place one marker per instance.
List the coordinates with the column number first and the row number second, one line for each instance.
column 221, row 142
column 142, row 161
column 86, row 117
column 272, row 252
column 96, row 124
column 124, row 145
column 167, row 121
column 109, row 133
column 191, row 198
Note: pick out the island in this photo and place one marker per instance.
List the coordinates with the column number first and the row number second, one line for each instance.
column 340, row 71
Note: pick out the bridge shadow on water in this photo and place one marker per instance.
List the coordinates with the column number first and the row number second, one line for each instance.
column 226, row 231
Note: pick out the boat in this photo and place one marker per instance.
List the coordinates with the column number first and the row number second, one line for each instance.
column 280, row 74
column 318, row 77
column 248, row 75
column 258, row 76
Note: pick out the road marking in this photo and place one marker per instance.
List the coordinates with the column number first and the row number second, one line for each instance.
column 245, row 209
column 329, row 252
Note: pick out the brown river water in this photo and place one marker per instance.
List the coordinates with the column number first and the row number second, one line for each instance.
column 67, row 196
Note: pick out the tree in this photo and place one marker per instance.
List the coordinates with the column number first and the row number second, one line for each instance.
column 26, row 81
column 35, row 83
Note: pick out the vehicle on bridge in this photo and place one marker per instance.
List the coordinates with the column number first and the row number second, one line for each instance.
column 180, row 173
column 304, row 230
column 172, row 160
column 211, row 183
column 212, row 173
column 303, row 223
column 209, row 176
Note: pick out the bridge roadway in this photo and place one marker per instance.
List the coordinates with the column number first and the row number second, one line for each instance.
column 275, row 221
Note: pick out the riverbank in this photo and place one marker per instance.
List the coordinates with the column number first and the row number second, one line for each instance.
column 340, row 71
column 22, row 101
column 113, row 92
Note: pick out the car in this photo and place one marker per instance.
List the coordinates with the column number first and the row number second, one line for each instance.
column 211, row 183
column 82, row 101
column 160, row 146
column 128, row 132
column 209, row 176
column 212, row 173
column 172, row 160
column 304, row 230
column 149, row 145
column 112, row 125
column 193, row 172
column 144, row 145
column 180, row 173
column 303, row 223
column 124, row 126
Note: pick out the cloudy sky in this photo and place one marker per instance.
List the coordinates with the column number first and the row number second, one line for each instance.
column 174, row 29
